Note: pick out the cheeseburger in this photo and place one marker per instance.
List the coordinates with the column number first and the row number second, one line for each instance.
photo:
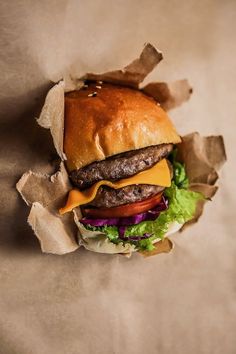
column 121, row 158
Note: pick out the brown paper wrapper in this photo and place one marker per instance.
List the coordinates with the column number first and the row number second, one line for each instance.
column 164, row 246
column 169, row 95
column 45, row 194
column 203, row 157
column 134, row 73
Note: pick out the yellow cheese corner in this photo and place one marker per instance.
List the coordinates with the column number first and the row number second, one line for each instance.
column 158, row 175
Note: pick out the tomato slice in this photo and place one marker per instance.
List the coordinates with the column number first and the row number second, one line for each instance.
column 123, row 210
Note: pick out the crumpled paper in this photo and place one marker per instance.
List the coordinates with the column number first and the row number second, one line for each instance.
column 169, row 95
column 203, row 157
column 45, row 194
column 134, row 73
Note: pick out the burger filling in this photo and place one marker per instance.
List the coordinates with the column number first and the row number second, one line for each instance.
column 126, row 211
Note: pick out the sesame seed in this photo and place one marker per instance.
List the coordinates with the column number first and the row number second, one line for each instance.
column 85, row 86
column 100, row 82
column 99, row 87
column 94, row 94
column 158, row 103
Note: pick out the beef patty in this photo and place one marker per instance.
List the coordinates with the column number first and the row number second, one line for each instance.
column 119, row 166
column 108, row 197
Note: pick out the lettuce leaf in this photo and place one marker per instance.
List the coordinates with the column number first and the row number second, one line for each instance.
column 110, row 231
column 182, row 206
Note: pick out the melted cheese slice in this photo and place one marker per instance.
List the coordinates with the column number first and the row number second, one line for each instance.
column 158, row 175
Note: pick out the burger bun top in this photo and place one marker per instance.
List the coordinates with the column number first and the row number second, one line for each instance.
column 103, row 120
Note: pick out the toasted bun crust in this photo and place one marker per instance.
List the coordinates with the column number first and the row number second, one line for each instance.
column 117, row 119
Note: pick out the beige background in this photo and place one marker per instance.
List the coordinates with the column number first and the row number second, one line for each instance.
column 184, row 302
